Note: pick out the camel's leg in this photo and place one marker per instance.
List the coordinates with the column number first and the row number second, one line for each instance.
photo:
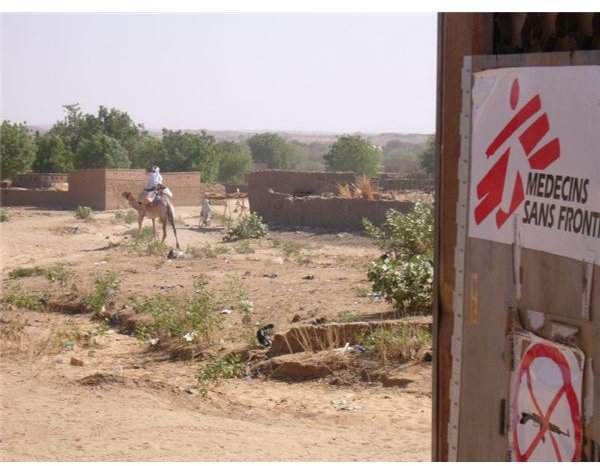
column 154, row 228
column 164, row 227
column 171, row 219
column 140, row 220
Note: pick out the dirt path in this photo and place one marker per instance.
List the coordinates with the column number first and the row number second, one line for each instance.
column 128, row 403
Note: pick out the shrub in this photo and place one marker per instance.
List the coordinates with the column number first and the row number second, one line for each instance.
column 202, row 310
column 23, row 299
column 105, row 286
column 250, row 226
column 406, row 283
column 165, row 321
column 58, row 273
column 147, row 244
column 206, row 251
column 348, row 316
column 21, row 272
column 195, row 318
column 245, row 248
column 291, row 248
column 400, row 342
column 128, row 216
column 83, row 213
column 405, row 273
column 229, row 366
column 407, row 234
column 4, row 215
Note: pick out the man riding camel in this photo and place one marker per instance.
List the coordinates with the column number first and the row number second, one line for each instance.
column 153, row 186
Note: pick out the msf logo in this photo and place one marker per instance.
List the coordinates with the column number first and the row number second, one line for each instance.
column 491, row 188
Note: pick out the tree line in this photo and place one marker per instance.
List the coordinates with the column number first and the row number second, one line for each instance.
column 111, row 139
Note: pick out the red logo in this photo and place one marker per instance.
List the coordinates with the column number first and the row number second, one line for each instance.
column 490, row 190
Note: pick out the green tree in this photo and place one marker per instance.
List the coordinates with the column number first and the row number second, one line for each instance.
column 235, row 162
column 310, row 156
column 101, row 151
column 77, row 127
column 207, row 156
column 52, row 155
column 187, row 151
column 179, row 147
column 427, row 156
column 353, row 153
column 69, row 129
column 17, row 149
column 272, row 149
column 147, row 151
column 118, row 125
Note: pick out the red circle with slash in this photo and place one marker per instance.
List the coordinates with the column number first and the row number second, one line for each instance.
column 541, row 350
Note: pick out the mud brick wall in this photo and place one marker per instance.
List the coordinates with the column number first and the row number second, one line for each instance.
column 119, row 181
column 38, row 180
column 291, row 182
column 101, row 189
column 35, row 197
column 186, row 186
column 232, row 187
column 388, row 183
column 86, row 188
column 331, row 213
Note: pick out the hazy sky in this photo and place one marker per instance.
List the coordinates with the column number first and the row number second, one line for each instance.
column 304, row 72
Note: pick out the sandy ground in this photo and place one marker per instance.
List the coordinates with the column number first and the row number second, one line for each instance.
column 128, row 403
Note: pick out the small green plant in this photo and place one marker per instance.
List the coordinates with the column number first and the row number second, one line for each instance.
column 194, row 319
column 83, row 213
column 21, row 272
column 4, row 215
column 146, row 235
column 58, row 273
column 23, row 299
column 207, row 251
column 129, row 216
column 156, row 248
column 229, row 366
column 348, row 316
column 102, row 328
column 361, row 291
column 236, row 292
column 147, row 244
column 202, row 310
column 244, row 248
column 69, row 331
column 105, row 286
column 250, row 226
column 166, row 321
column 396, row 343
column 291, row 248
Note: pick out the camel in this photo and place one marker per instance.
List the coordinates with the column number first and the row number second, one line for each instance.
column 160, row 208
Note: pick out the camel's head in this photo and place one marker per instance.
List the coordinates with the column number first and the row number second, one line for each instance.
column 126, row 194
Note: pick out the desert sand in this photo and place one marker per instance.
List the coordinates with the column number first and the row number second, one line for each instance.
column 131, row 402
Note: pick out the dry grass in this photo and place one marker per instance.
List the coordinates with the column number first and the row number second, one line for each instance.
column 361, row 189
column 18, row 337
column 363, row 185
column 345, row 191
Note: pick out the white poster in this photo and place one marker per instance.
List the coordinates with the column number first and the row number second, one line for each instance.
column 535, row 159
column 545, row 402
